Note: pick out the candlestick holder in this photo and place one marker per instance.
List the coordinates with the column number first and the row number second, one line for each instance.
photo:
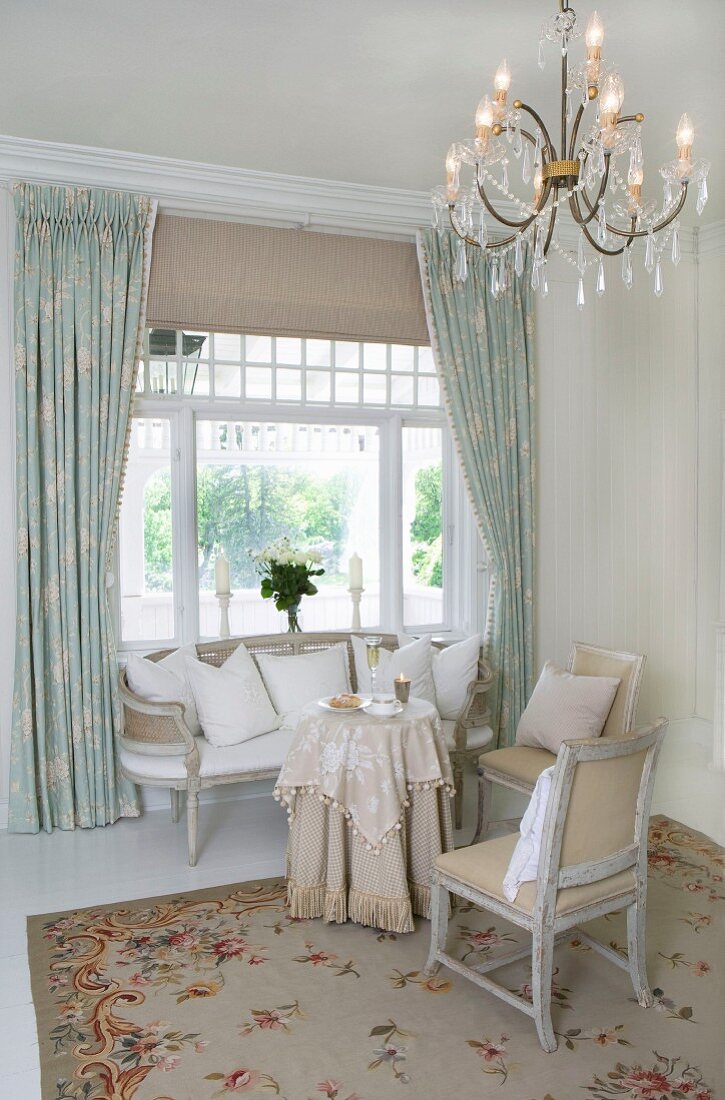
column 223, row 599
column 356, row 596
column 402, row 689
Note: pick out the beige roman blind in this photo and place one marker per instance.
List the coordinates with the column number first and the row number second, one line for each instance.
column 227, row 277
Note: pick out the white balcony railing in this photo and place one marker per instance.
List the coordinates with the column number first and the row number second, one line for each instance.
column 150, row 618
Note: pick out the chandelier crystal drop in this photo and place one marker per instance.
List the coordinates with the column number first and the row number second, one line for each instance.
column 584, row 173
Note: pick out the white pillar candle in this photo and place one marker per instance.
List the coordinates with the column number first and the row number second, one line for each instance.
column 221, row 573
column 356, row 571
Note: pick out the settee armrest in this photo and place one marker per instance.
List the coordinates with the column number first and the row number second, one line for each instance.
column 156, row 729
column 475, row 710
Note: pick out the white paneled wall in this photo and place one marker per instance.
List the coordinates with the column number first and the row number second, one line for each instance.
column 617, row 444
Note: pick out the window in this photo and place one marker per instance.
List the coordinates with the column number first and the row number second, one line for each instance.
column 239, row 439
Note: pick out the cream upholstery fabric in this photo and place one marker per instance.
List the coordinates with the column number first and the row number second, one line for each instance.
column 483, row 867
column 598, row 827
column 595, row 663
column 264, row 753
column 478, row 737
column 518, row 762
column 565, row 707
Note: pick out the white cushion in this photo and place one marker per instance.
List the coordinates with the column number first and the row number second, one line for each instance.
column 454, row 669
column 565, row 707
column 165, row 681
column 293, row 682
column 265, row 753
column 477, row 738
column 231, row 701
column 524, row 864
column 412, row 659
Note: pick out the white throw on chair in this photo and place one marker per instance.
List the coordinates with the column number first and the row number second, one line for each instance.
column 593, row 861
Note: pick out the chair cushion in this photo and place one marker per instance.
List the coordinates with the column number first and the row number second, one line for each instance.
column 165, row 681
column 264, row 753
column 477, row 738
column 483, row 866
column 520, row 763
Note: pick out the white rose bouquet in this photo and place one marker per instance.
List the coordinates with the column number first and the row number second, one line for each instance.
column 285, row 573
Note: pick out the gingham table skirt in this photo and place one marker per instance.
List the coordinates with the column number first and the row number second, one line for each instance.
column 330, row 874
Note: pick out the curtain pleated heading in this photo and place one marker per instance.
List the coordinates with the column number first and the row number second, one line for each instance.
column 228, row 277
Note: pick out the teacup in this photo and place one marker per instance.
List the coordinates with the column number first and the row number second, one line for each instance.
column 384, row 706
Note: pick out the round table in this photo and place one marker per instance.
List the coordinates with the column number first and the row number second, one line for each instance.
column 368, row 800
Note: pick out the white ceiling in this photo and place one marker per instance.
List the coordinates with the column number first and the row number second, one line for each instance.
column 364, row 91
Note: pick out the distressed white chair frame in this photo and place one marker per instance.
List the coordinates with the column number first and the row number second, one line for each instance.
column 543, row 922
column 159, row 729
column 580, row 652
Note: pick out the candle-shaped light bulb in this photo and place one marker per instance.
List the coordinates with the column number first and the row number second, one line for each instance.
column 502, row 81
column 594, row 36
column 635, row 177
column 484, row 119
column 452, row 168
column 611, row 95
column 685, row 137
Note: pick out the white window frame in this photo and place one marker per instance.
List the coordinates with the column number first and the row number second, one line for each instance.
column 465, row 571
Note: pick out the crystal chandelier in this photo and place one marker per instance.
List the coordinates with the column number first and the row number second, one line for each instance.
column 607, row 207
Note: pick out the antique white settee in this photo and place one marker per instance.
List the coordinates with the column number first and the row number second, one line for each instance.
column 158, row 749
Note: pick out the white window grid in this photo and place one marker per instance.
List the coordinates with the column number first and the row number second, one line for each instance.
column 282, row 370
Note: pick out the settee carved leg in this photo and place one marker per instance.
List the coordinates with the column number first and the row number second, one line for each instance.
column 192, row 814
column 175, row 804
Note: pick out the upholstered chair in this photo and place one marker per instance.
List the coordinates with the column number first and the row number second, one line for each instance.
column 593, row 860
column 520, row 766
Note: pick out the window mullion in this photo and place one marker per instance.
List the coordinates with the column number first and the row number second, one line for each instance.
column 184, row 528
column 391, row 512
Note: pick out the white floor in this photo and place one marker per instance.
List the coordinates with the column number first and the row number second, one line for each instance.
column 240, row 839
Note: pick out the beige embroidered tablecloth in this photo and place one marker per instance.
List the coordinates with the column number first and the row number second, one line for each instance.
column 369, row 805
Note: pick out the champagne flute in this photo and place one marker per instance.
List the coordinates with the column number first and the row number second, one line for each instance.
column 372, row 641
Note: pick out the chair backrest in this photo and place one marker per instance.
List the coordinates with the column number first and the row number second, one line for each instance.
column 592, row 660
column 596, row 817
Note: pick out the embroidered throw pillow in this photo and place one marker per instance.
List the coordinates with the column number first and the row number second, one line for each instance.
column 232, row 703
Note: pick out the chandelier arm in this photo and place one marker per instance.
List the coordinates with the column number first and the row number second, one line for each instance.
column 630, row 233
column 520, row 225
column 520, row 106
column 472, row 240
column 654, row 228
column 604, row 251
column 575, row 131
column 593, row 208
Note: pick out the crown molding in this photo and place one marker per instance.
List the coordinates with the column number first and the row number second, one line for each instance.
column 216, row 191
column 187, row 187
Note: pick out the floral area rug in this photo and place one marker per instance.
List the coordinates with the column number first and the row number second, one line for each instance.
column 219, row 993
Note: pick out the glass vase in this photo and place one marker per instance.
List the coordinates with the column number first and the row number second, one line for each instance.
column 294, row 623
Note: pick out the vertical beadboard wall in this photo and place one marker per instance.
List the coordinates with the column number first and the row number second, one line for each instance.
column 617, row 477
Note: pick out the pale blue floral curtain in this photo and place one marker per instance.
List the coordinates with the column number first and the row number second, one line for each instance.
column 484, row 350
column 81, row 275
